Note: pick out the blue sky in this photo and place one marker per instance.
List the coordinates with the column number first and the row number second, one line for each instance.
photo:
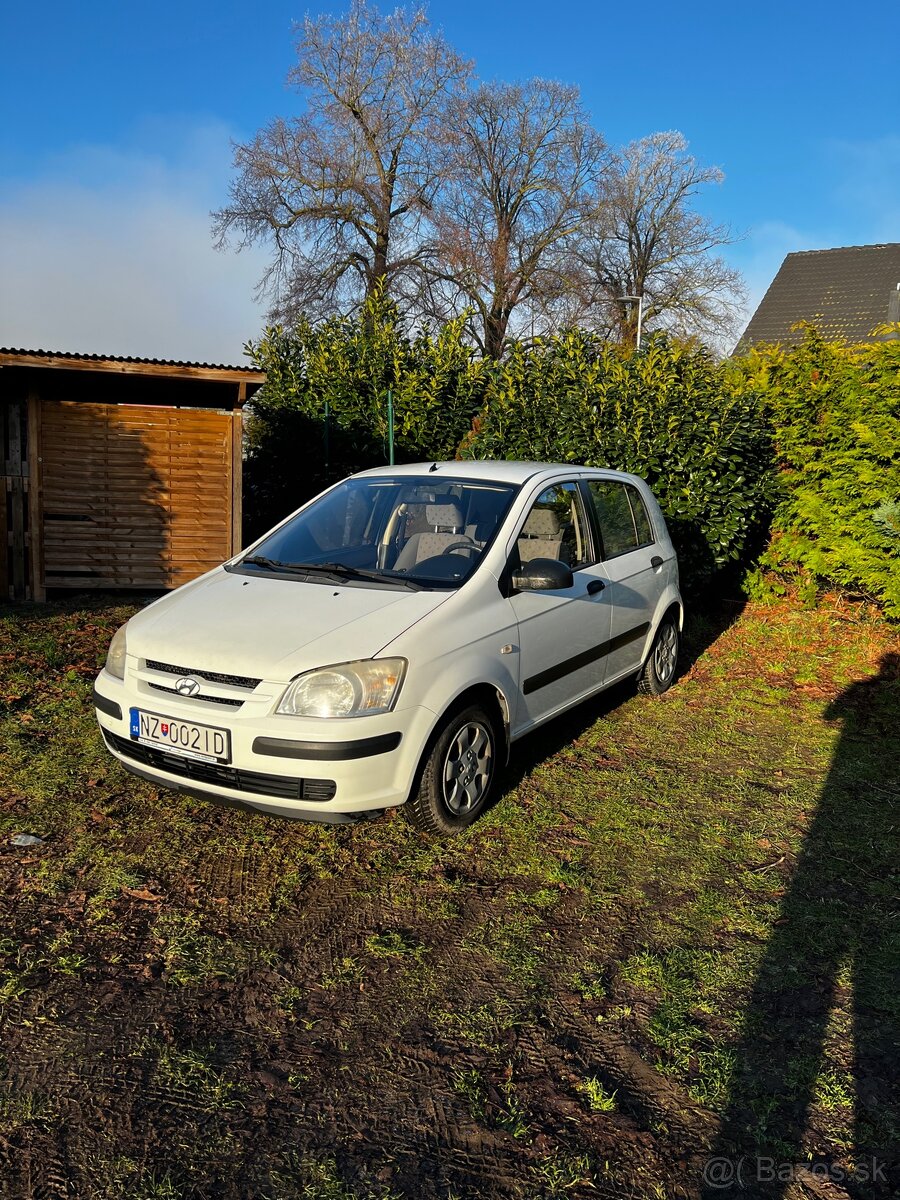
column 117, row 121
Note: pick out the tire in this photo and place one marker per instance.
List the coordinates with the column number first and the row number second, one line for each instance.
column 458, row 774
column 659, row 671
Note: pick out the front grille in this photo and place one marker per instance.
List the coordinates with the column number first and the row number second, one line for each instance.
column 238, row 681
column 284, row 787
column 158, row 687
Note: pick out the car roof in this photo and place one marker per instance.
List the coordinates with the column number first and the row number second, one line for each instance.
column 494, row 470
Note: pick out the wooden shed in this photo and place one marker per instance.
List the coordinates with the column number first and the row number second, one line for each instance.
column 117, row 472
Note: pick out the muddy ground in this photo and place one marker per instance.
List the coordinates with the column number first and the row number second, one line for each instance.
column 672, row 941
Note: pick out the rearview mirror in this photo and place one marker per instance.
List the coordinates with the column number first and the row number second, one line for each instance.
column 543, row 575
column 417, row 496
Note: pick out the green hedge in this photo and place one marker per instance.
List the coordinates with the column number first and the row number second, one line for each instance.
column 667, row 414
column 835, row 411
column 811, row 433
column 345, row 368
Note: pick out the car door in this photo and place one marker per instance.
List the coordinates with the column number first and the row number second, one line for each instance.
column 634, row 568
column 562, row 634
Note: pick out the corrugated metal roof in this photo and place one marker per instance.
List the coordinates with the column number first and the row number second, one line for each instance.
column 844, row 292
column 127, row 359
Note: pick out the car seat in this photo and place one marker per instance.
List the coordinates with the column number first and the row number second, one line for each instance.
column 445, row 523
column 542, row 536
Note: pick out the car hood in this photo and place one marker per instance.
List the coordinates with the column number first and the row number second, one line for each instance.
column 273, row 628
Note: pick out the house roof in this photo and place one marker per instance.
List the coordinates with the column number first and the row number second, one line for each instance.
column 845, row 293
column 173, row 368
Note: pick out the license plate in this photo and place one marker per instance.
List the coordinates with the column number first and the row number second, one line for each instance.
column 181, row 737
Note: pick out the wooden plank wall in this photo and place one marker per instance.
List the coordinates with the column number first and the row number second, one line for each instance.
column 14, row 539
column 134, row 495
column 35, row 522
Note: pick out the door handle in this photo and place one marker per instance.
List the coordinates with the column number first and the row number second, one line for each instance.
column 656, row 561
column 595, row 586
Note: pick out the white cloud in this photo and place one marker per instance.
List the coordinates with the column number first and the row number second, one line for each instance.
column 109, row 251
column 861, row 193
column 760, row 254
column 869, row 187
column 768, row 245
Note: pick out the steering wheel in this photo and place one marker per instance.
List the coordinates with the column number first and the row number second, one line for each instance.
column 469, row 547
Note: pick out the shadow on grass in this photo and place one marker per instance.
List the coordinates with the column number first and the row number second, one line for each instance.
column 705, row 626
column 700, row 631
column 62, row 603
column 829, row 981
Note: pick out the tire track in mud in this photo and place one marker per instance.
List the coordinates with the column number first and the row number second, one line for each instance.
column 358, row 1069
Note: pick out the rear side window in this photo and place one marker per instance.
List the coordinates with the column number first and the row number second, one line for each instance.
column 642, row 525
column 621, row 515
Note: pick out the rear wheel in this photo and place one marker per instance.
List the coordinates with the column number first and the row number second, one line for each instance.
column 458, row 776
column 658, row 672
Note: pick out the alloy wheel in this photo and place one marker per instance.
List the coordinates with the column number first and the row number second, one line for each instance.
column 467, row 768
column 666, row 652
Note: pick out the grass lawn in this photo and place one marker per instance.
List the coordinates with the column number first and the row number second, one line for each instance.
column 673, row 940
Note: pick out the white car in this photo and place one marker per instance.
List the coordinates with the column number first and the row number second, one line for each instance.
column 387, row 642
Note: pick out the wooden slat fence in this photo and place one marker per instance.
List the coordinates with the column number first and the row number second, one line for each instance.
column 133, row 496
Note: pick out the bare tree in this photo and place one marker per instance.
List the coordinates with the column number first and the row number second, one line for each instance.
column 647, row 240
column 341, row 190
column 523, row 166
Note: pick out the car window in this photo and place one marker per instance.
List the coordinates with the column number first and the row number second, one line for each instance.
column 556, row 528
column 431, row 530
column 621, row 515
column 642, row 525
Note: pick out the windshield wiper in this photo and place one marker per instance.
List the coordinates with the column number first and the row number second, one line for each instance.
column 334, row 570
column 340, row 571
column 260, row 560
column 275, row 564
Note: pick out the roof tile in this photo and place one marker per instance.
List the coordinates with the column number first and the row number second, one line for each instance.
column 844, row 292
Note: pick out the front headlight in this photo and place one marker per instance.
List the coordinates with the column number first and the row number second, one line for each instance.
column 355, row 689
column 115, row 655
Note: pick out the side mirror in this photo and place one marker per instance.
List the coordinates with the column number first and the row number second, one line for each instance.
column 543, row 575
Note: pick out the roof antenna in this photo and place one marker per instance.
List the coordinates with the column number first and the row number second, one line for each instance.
column 433, row 467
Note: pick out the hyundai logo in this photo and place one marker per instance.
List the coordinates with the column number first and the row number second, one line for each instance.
column 187, row 686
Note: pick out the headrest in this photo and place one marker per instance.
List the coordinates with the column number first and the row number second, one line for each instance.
column 542, row 523
column 444, row 515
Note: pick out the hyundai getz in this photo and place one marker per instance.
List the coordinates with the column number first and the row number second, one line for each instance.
column 386, row 643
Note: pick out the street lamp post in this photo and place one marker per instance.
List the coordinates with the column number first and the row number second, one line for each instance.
column 639, row 300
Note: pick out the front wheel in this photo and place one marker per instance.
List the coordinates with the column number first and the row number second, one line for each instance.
column 658, row 672
column 458, row 775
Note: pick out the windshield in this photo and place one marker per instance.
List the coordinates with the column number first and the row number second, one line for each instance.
column 408, row 530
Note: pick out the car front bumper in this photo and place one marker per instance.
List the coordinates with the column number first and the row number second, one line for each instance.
column 333, row 771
